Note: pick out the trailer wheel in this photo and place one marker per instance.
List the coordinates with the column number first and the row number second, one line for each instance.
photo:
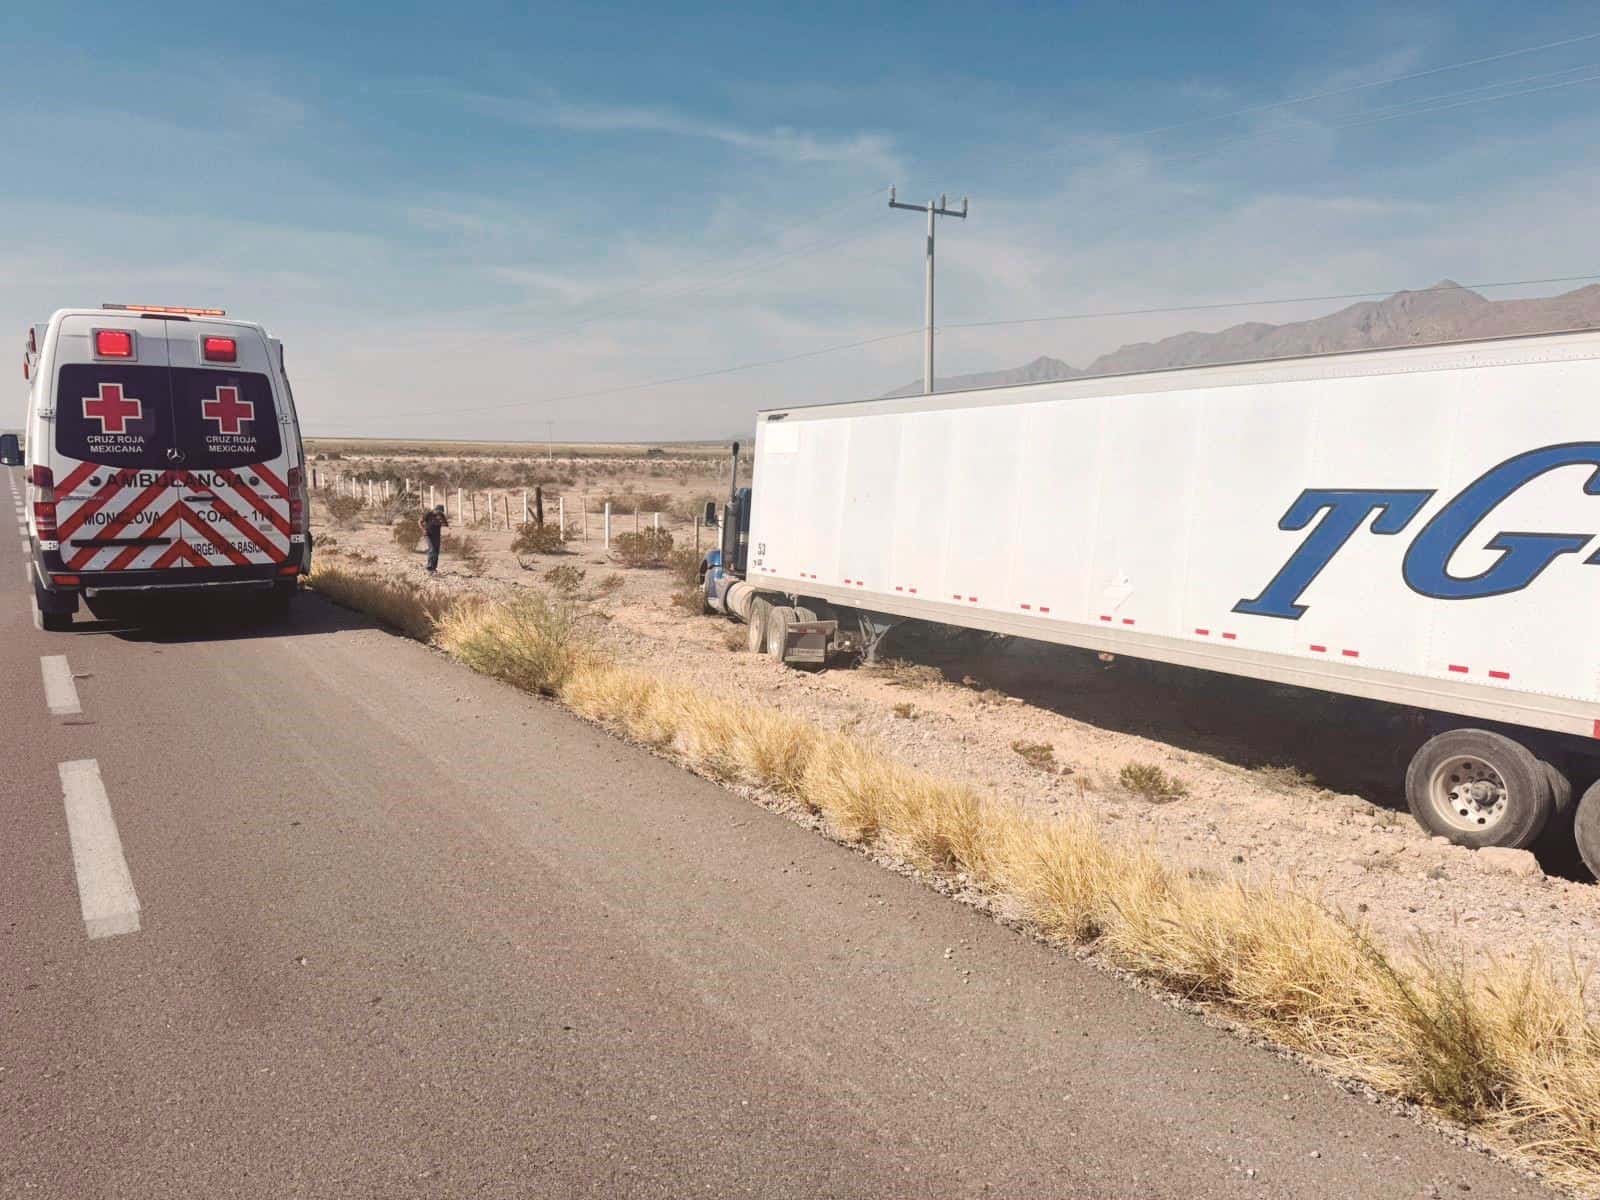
column 804, row 614
column 779, row 618
column 1560, row 788
column 1586, row 828
column 756, row 641
column 1479, row 789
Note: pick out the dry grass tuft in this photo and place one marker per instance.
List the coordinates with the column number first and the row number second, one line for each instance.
column 530, row 643
column 1509, row 1048
column 414, row 609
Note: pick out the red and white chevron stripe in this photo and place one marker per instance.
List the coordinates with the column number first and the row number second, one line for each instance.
column 192, row 518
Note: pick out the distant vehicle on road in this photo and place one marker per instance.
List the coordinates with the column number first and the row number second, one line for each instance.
column 10, row 450
column 1413, row 526
column 165, row 456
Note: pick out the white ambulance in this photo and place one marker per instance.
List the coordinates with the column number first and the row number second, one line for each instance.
column 163, row 453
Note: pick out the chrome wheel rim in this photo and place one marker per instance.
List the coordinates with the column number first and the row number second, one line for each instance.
column 1467, row 794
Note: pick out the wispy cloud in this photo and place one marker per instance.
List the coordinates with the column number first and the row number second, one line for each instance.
column 781, row 143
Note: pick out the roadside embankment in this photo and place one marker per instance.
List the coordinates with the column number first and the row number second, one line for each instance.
column 1508, row 1049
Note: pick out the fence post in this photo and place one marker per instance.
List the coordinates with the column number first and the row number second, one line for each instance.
column 538, row 506
column 461, row 509
column 636, row 518
column 583, row 507
column 524, row 506
column 505, row 507
column 608, row 525
column 658, row 522
column 697, row 533
column 561, row 515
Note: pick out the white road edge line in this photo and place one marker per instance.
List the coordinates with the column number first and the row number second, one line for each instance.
column 105, row 888
column 60, row 693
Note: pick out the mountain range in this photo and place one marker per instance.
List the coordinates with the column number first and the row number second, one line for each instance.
column 1445, row 312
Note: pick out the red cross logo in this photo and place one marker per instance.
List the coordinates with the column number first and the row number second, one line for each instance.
column 227, row 410
column 112, row 409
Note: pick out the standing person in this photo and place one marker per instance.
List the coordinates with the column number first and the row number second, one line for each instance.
column 433, row 522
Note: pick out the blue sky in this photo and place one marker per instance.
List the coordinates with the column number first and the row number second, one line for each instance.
column 480, row 220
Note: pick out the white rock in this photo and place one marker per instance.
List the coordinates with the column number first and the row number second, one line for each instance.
column 1510, row 862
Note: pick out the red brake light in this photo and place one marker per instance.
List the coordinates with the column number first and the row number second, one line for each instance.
column 44, row 502
column 25, row 366
column 219, row 349
column 113, row 343
column 297, row 500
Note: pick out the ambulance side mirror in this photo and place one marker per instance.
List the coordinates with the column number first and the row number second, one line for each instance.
column 711, row 512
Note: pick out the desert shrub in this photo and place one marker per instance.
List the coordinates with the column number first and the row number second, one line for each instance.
column 466, row 548
column 343, row 511
column 735, row 639
column 1041, row 755
column 905, row 710
column 407, row 533
column 684, row 563
column 690, row 600
column 648, row 548
column 566, row 578
column 533, row 538
column 610, row 583
column 1151, row 782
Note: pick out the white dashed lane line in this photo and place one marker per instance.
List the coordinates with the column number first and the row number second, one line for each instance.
column 105, row 886
column 60, row 693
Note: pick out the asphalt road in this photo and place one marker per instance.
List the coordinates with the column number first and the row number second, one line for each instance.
column 401, row 931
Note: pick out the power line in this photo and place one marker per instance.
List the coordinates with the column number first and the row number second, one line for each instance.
column 1361, row 87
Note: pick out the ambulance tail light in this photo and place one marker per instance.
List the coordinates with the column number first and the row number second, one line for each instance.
column 113, row 343
column 297, row 500
column 66, row 580
column 219, row 349
column 44, row 502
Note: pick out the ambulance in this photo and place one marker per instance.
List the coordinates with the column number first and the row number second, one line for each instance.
column 163, row 455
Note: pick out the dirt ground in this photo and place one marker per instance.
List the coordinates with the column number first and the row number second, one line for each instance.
column 1277, row 783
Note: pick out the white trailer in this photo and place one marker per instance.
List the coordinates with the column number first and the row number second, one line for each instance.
column 1414, row 526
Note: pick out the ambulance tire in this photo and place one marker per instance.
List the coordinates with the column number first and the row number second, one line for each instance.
column 56, row 609
column 275, row 604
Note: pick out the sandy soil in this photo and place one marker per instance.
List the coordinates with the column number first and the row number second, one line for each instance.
column 1280, row 784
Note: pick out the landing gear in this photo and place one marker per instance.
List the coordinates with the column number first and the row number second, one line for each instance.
column 1480, row 789
column 874, row 628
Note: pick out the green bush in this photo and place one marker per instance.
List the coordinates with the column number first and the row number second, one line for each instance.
column 648, row 548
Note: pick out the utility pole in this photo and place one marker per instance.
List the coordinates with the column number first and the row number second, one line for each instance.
column 933, row 210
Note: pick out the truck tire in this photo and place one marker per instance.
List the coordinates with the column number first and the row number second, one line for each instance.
column 1586, row 828
column 756, row 642
column 1479, row 789
column 804, row 614
column 779, row 618
column 1560, row 788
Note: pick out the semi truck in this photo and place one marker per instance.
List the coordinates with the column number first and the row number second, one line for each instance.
column 1414, row 526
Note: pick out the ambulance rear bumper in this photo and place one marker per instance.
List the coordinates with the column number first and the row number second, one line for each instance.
column 183, row 579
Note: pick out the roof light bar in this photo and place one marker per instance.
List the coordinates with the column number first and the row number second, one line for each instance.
column 163, row 308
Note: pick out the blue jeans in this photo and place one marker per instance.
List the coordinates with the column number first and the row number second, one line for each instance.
column 433, row 552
